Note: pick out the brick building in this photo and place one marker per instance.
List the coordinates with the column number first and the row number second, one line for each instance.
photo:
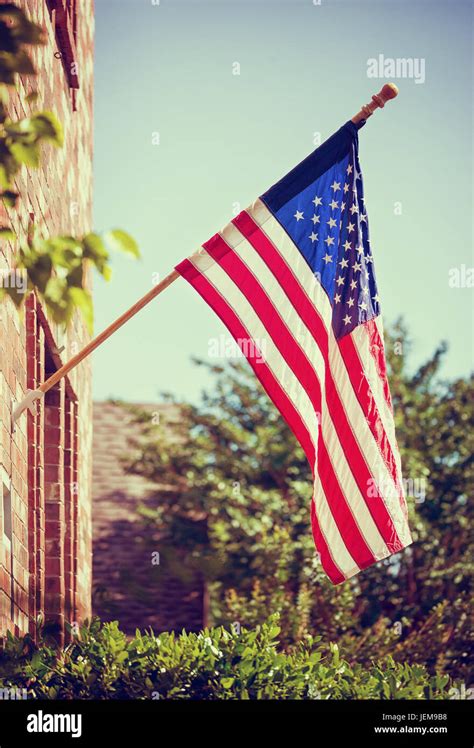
column 45, row 467
column 126, row 585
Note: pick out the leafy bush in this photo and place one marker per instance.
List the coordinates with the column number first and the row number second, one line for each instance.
column 101, row 663
column 237, row 514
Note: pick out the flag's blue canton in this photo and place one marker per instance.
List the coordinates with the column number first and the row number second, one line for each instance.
column 328, row 223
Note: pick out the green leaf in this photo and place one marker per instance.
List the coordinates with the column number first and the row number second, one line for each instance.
column 120, row 241
column 39, row 271
column 94, row 250
column 94, row 247
column 47, row 126
column 106, row 272
column 56, row 292
column 31, row 130
column 7, row 234
column 9, row 198
column 21, row 127
column 227, row 682
column 4, row 176
column 273, row 632
column 26, row 153
column 83, row 300
column 75, row 277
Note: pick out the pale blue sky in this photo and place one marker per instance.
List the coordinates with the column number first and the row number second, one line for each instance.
column 225, row 138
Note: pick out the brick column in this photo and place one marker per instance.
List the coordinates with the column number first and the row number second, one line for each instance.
column 54, row 432
column 35, row 354
column 70, row 502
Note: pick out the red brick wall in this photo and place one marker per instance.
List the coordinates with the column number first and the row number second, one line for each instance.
column 46, row 465
column 127, row 585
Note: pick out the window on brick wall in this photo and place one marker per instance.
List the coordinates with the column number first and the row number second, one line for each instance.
column 53, row 480
column 54, row 495
column 7, row 561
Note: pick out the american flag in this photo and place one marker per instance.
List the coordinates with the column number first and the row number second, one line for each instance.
column 292, row 278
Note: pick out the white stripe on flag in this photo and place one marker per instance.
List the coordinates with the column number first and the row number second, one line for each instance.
column 302, row 335
column 292, row 386
column 356, row 416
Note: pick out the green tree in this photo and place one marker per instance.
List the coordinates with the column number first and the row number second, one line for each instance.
column 237, row 513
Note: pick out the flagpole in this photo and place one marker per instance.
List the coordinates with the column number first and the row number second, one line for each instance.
column 32, row 395
column 387, row 92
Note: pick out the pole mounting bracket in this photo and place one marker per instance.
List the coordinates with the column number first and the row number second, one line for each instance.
column 28, row 403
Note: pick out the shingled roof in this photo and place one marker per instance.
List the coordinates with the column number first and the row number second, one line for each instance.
column 126, row 586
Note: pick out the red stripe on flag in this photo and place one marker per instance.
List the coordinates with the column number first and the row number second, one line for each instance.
column 285, row 276
column 341, row 512
column 333, row 572
column 301, row 367
column 251, row 288
column 361, row 472
column 261, row 369
column 377, row 350
column 310, row 316
column 201, row 284
column 363, row 392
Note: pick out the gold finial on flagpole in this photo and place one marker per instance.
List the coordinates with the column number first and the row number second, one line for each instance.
column 387, row 92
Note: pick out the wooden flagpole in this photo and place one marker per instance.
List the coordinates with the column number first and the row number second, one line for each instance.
column 33, row 395
column 155, row 291
column 388, row 91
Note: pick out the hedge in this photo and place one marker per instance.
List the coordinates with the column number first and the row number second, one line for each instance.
column 102, row 663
